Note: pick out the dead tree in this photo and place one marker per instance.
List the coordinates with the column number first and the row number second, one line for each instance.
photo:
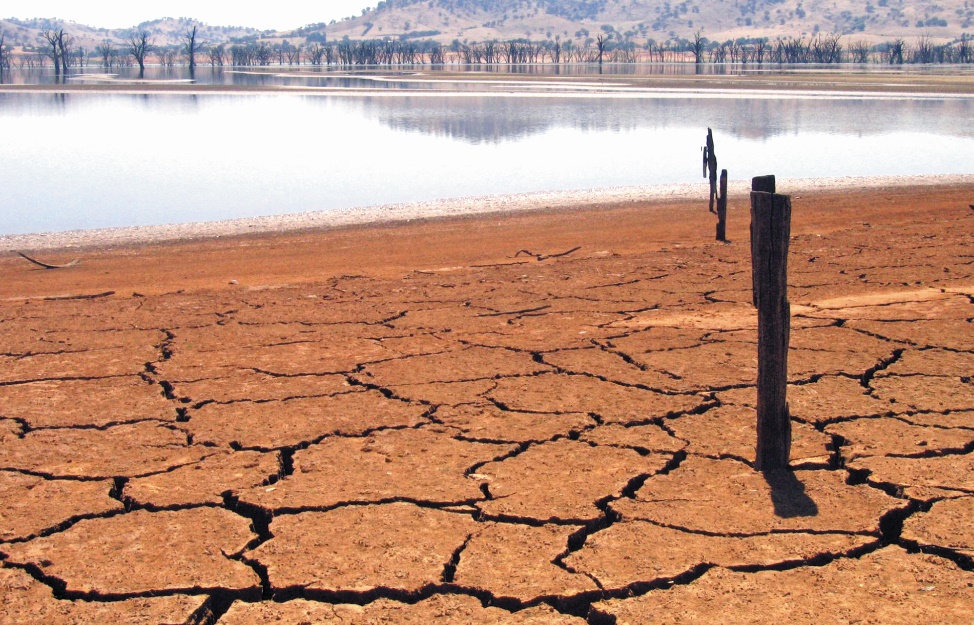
column 64, row 42
column 697, row 47
column 894, row 52
column 54, row 49
column 601, row 42
column 107, row 53
column 770, row 235
column 218, row 55
column 191, row 49
column 859, row 52
column 139, row 45
column 315, row 53
column 710, row 165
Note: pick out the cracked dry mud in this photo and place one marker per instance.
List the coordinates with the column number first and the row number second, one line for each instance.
column 410, row 423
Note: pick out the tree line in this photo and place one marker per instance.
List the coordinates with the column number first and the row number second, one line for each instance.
column 60, row 52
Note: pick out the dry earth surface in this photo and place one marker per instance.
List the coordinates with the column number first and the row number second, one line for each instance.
column 518, row 418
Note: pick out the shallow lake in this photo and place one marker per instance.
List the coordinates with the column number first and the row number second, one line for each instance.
column 79, row 160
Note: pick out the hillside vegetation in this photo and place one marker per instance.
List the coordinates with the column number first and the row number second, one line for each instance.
column 624, row 24
column 660, row 20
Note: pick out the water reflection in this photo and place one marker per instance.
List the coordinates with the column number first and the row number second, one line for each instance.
column 491, row 120
column 281, row 75
column 152, row 159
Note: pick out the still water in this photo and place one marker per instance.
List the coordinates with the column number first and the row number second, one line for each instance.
column 74, row 161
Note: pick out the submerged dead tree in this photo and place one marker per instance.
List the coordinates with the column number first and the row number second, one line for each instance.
column 192, row 47
column 710, row 165
column 139, row 47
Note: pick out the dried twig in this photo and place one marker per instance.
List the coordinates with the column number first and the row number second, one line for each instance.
column 48, row 265
column 541, row 257
column 514, row 312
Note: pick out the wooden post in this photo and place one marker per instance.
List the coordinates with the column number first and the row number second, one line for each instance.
column 722, row 208
column 762, row 184
column 711, row 166
column 770, row 234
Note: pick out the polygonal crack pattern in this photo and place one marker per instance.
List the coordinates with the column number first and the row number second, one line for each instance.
column 564, row 440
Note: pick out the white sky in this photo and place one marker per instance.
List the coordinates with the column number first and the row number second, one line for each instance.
column 125, row 13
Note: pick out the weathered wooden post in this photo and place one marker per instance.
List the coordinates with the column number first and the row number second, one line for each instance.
column 710, row 163
column 722, row 208
column 770, row 233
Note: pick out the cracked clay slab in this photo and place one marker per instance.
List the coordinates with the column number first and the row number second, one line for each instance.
column 358, row 549
column 485, row 421
column 426, row 465
column 474, row 363
column 243, row 385
column 438, row 608
column 895, row 587
column 947, row 525
column 926, row 393
column 636, row 552
column 32, row 504
column 25, row 600
column 563, row 480
column 879, row 437
column 122, row 450
column 205, row 482
column 944, row 333
column 650, row 438
column 822, row 401
column 579, row 393
column 271, row 425
column 100, row 363
column 697, row 495
column 518, row 561
column 99, row 402
column 952, row 472
column 146, row 552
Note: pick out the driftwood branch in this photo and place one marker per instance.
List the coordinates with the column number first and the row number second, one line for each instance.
column 541, row 257
column 48, row 265
column 61, row 298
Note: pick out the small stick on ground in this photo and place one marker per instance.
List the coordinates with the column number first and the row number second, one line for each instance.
column 541, row 257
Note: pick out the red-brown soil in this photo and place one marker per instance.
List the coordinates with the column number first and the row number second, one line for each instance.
column 413, row 422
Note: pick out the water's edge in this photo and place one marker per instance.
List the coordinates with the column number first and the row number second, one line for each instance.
column 455, row 207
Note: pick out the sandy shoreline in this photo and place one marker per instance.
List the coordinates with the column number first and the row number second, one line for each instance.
column 446, row 208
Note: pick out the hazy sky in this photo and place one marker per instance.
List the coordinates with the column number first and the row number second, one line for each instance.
column 125, row 13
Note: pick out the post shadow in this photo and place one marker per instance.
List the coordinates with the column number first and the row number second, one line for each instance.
column 788, row 494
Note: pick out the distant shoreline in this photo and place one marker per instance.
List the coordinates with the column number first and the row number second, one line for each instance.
column 692, row 195
column 898, row 82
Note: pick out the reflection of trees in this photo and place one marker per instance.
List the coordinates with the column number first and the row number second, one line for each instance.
column 493, row 119
column 497, row 119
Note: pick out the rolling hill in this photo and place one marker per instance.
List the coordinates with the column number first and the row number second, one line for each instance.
column 661, row 20
column 580, row 21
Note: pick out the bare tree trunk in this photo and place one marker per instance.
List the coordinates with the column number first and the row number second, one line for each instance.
column 191, row 49
column 139, row 47
column 54, row 51
column 63, row 44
